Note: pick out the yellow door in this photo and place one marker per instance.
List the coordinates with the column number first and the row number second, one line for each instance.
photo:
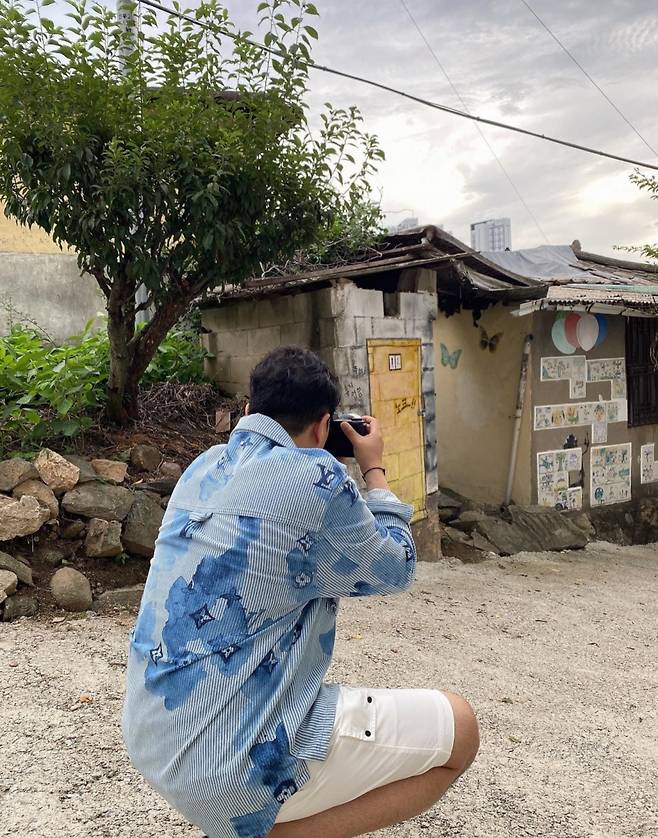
column 395, row 397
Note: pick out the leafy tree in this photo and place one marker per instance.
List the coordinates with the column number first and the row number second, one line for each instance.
column 179, row 158
column 650, row 184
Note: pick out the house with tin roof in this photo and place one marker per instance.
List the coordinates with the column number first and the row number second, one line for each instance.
column 519, row 376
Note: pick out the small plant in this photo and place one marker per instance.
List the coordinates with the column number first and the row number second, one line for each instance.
column 49, row 391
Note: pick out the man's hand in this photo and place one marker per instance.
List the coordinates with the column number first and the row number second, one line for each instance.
column 368, row 450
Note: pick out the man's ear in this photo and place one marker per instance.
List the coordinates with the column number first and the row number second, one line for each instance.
column 321, row 430
column 247, row 409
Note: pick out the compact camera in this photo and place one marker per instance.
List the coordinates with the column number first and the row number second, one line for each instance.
column 337, row 443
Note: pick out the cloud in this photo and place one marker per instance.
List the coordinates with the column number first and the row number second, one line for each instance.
column 507, row 67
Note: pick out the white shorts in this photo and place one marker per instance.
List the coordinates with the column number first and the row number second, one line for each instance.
column 379, row 736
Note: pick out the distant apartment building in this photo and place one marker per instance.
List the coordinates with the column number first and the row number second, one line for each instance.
column 493, row 234
column 406, row 224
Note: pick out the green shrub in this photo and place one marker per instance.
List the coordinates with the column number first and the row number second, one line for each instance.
column 49, row 391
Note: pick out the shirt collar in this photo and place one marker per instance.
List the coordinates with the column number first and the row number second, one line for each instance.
column 267, row 427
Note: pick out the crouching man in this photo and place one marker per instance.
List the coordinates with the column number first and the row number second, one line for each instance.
column 227, row 714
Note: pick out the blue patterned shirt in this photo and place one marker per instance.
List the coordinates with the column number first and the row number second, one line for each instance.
column 225, row 693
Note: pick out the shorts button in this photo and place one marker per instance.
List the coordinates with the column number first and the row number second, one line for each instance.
column 369, row 699
column 368, row 733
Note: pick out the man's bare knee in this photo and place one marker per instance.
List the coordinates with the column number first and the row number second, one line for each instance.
column 467, row 734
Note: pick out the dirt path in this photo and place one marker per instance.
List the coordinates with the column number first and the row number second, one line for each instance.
column 557, row 654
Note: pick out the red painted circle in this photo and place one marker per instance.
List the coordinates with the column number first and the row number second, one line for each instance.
column 570, row 326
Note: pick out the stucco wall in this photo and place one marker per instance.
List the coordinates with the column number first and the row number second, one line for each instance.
column 557, row 393
column 476, row 403
column 48, row 289
column 17, row 239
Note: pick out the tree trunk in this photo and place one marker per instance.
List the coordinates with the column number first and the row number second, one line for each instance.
column 130, row 355
column 121, row 399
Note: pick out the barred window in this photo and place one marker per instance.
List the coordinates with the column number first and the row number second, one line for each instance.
column 642, row 371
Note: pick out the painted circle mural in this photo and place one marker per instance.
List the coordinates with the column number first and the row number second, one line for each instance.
column 572, row 331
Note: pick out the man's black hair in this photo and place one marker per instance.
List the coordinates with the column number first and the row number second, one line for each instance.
column 293, row 386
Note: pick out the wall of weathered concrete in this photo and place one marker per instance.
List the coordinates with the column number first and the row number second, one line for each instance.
column 336, row 323
column 359, row 315
column 565, row 414
column 476, row 403
column 240, row 332
column 47, row 288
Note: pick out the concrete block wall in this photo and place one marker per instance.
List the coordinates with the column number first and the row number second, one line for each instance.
column 336, row 323
column 359, row 316
column 239, row 333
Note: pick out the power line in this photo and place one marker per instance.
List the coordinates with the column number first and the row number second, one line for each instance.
column 403, row 94
column 479, row 129
column 588, row 76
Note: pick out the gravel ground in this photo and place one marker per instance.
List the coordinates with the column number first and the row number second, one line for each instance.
column 557, row 653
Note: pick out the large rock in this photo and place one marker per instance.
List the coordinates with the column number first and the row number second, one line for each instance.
column 466, row 553
column 171, row 471
column 21, row 517
column 8, row 583
column 614, row 524
column 44, row 494
column 87, row 473
column 76, row 529
column 15, row 471
column 55, row 471
column 113, row 471
column 20, row 605
column 22, row 570
column 143, row 524
column 145, row 457
column 532, row 529
column 121, row 598
column 582, row 521
column 71, row 589
column 449, row 507
column 99, row 500
column 160, row 487
column 51, row 554
column 103, row 538
column 468, row 520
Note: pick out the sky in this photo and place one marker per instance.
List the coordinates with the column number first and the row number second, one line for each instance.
column 506, row 67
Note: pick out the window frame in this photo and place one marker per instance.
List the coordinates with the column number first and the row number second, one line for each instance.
column 642, row 371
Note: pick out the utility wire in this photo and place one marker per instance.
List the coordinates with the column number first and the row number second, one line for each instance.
column 479, row 129
column 428, row 103
column 588, row 76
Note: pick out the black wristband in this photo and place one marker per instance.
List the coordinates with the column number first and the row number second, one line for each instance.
column 374, row 468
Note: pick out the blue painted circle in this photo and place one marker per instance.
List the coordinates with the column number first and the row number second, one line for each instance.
column 603, row 328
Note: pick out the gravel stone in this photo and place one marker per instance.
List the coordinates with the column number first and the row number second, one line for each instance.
column 569, row 638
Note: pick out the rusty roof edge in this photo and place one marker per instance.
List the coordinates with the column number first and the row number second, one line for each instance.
column 301, row 281
column 627, row 264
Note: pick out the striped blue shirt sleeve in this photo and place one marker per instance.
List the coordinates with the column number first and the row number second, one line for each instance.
column 366, row 544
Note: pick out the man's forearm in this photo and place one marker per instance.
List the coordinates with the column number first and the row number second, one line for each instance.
column 376, row 479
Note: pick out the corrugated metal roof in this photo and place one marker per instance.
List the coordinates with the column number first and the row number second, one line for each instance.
column 621, row 295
